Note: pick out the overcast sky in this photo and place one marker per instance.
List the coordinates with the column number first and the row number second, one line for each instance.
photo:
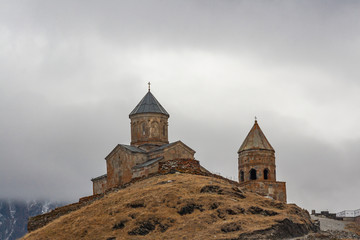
column 72, row 71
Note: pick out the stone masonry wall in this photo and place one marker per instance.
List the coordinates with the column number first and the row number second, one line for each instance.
column 276, row 190
column 149, row 128
column 145, row 171
column 180, row 165
column 99, row 185
column 258, row 160
column 43, row 219
column 119, row 167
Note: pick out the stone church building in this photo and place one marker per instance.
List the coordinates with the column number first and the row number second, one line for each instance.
column 150, row 152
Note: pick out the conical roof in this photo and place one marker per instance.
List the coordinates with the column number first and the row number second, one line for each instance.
column 149, row 104
column 256, row 140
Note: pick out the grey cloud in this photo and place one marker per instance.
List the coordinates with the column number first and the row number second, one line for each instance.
column 72, row 71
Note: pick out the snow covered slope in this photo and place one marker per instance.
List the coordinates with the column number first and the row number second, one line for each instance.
column 14, row 216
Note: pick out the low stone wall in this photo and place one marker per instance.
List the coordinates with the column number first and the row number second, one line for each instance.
column 99, row 184
column 43, row 219
column 180, row 165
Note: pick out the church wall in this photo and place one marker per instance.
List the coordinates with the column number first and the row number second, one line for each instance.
column 258, row 160
column 145, row 171
column 178, row 152
column 173, row 152
column 99, row 185
column 119, row 167
column 149, row 128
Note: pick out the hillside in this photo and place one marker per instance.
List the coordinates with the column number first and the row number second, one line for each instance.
column 180, row 206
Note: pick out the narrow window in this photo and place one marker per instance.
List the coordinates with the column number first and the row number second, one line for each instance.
column 143, row 129
column 266, row 174
column 164, row 130
column 241, row 176
column 252, row 174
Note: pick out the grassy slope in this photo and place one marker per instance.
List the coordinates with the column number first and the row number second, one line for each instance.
column 162, row 198
column 353, row 227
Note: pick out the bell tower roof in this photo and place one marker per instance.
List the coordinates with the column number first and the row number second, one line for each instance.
column 255, row 140
column 149, row 104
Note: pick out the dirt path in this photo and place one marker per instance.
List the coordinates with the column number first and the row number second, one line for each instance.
column 330, row 224
column 330, row 229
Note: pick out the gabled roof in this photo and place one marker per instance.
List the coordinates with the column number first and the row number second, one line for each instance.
column 127, row 147
column 99, row 177
column 133, row 148
column 173, row 144
column 255, row 140
column 149, row 104
column 148, row 163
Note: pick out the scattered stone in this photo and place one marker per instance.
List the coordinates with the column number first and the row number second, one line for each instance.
column 111, row 238
column 231, row 227
column 189, row 208
column 120, row 225
column 133, row 215
column 165, row 182
column 229, row 211
column 258, row 210
column 237, row 192
column 144, row 227
column 277, row 205
column 238, row 195
column 221, row 213
column 163, row 227
column 137, row 204
column 211, row 189
column 214, row 205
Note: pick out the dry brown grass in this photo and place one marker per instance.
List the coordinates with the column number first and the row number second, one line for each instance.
column 162, row 198
column 353, row 227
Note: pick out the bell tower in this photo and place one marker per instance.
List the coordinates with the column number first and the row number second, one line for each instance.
column 149, row 123
column 256, row 164
column 256, row 157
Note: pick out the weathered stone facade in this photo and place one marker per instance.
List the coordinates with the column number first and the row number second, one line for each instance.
column 149, row 128
column 257, row 169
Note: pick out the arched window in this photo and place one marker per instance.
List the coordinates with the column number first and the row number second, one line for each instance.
column 252, row 174
column 143, row 129
column 242, row 176
column 266, row 174
column 155, row 129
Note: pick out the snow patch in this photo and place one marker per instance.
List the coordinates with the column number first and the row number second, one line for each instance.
column 45, row 207
column 12, row 210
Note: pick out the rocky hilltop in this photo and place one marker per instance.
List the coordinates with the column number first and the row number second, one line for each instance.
column 180, row 206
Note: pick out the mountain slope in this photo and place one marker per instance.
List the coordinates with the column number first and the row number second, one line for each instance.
column 14, row 215
column 180, row 206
